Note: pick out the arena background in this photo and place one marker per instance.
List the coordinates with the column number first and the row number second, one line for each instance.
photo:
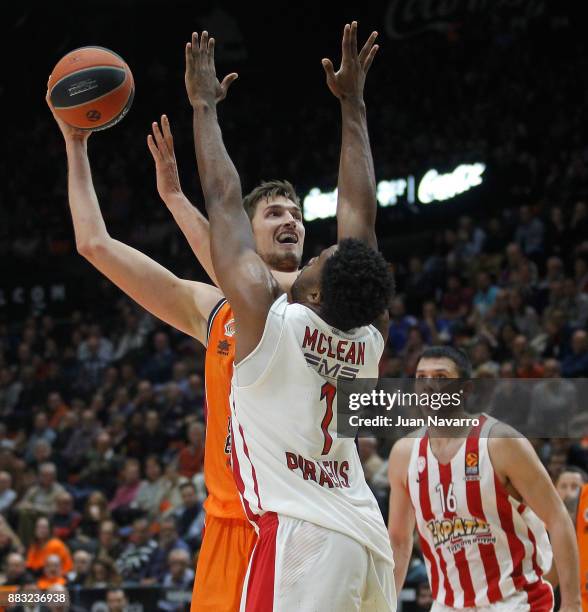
column 502, row 84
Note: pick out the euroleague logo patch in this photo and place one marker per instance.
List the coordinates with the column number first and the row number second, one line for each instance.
column 421, row 464
column 230, row 328
column 472, row 465
column 93, row 115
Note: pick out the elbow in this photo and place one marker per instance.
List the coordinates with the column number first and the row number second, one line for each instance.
column 91, row 248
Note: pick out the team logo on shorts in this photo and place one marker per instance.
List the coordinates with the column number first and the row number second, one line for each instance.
column 472, row 467
column 421, row 464
column 230, row 328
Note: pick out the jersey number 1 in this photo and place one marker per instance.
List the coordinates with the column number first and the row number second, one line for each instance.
column 327, row 393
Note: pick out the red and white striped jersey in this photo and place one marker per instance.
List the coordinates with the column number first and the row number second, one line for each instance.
column 287, row 457
column 480, row 544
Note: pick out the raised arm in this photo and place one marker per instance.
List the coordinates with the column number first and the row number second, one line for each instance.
column 193, row 224
column 183, row 304
column 356, row 200
column 243, row 276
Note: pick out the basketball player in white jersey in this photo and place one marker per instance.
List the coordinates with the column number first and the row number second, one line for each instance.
column 322, row 541
column 482, row 503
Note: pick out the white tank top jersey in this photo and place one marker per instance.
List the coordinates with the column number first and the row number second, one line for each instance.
column 480, row 544
column 286, row 455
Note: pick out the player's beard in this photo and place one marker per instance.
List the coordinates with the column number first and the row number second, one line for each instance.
column 282, row 262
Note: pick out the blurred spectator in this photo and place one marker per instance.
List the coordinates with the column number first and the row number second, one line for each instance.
column 190, row 516
column 16, row 571
column 7, row 493
column 191, row 457
column 154, row 439
column 554, row 403
column 101, row 466
column 575, row 365
column 44, row 545
column 168, row 541
column 81, row 440
column 434, row 329
column 116, row 600
column 368, row 455
column 569, row 482
column 57, row 409
column 103, row 574
column 133, row 337
column 179, row 575
column 41, row 431
column 485, row 296
column 457, row 300
column 95, row 512
column 158, row 368
column 52, row 573
column 82, row 563
column 136, row 557
column 400, row 324
column 66, row 520
column 41, row 498
column 109, row 545
column 94, row 357
column 530, row 232
column 152, row 489
column 123, row 505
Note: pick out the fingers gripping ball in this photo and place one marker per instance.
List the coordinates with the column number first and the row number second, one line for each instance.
column 91, row 88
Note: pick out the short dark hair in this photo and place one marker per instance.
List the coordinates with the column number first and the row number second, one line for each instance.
column 267, row 190
column 460, row 359
column 573, row 469
column 356, row 285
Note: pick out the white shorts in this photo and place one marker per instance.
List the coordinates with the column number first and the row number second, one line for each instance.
column 537, row 596
column 298, row 566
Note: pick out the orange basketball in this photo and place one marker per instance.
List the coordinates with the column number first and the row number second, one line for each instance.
column 91, row 88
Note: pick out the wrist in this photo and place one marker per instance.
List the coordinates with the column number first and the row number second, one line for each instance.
column 203, row 105
column 76, row 142
column 355, row 101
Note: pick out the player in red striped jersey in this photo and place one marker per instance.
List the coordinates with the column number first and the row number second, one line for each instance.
column 481, row 505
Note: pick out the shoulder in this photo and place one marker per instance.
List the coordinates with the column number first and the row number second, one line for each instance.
column 400, row 459
column 508, row 448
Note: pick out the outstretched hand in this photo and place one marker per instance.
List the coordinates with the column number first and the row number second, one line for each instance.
column 202, row 84
column 349, row 80
column 69, row 132
column 161, row 145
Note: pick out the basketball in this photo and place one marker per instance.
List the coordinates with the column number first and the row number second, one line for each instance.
column 91, row 88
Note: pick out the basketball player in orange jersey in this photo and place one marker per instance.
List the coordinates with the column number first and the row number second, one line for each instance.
column 199, row 310
column 481, row 502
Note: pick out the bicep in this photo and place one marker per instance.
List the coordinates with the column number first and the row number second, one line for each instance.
column 517, row 460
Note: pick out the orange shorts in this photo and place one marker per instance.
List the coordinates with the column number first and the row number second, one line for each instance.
column 222, row 564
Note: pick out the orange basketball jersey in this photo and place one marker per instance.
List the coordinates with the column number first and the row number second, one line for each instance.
column 223, row 499
column 582, row 535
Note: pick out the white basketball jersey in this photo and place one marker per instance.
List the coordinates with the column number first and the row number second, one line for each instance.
column 286, row 455
column 480, row 544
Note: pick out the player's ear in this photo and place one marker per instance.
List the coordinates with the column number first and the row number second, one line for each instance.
column 314, row 297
